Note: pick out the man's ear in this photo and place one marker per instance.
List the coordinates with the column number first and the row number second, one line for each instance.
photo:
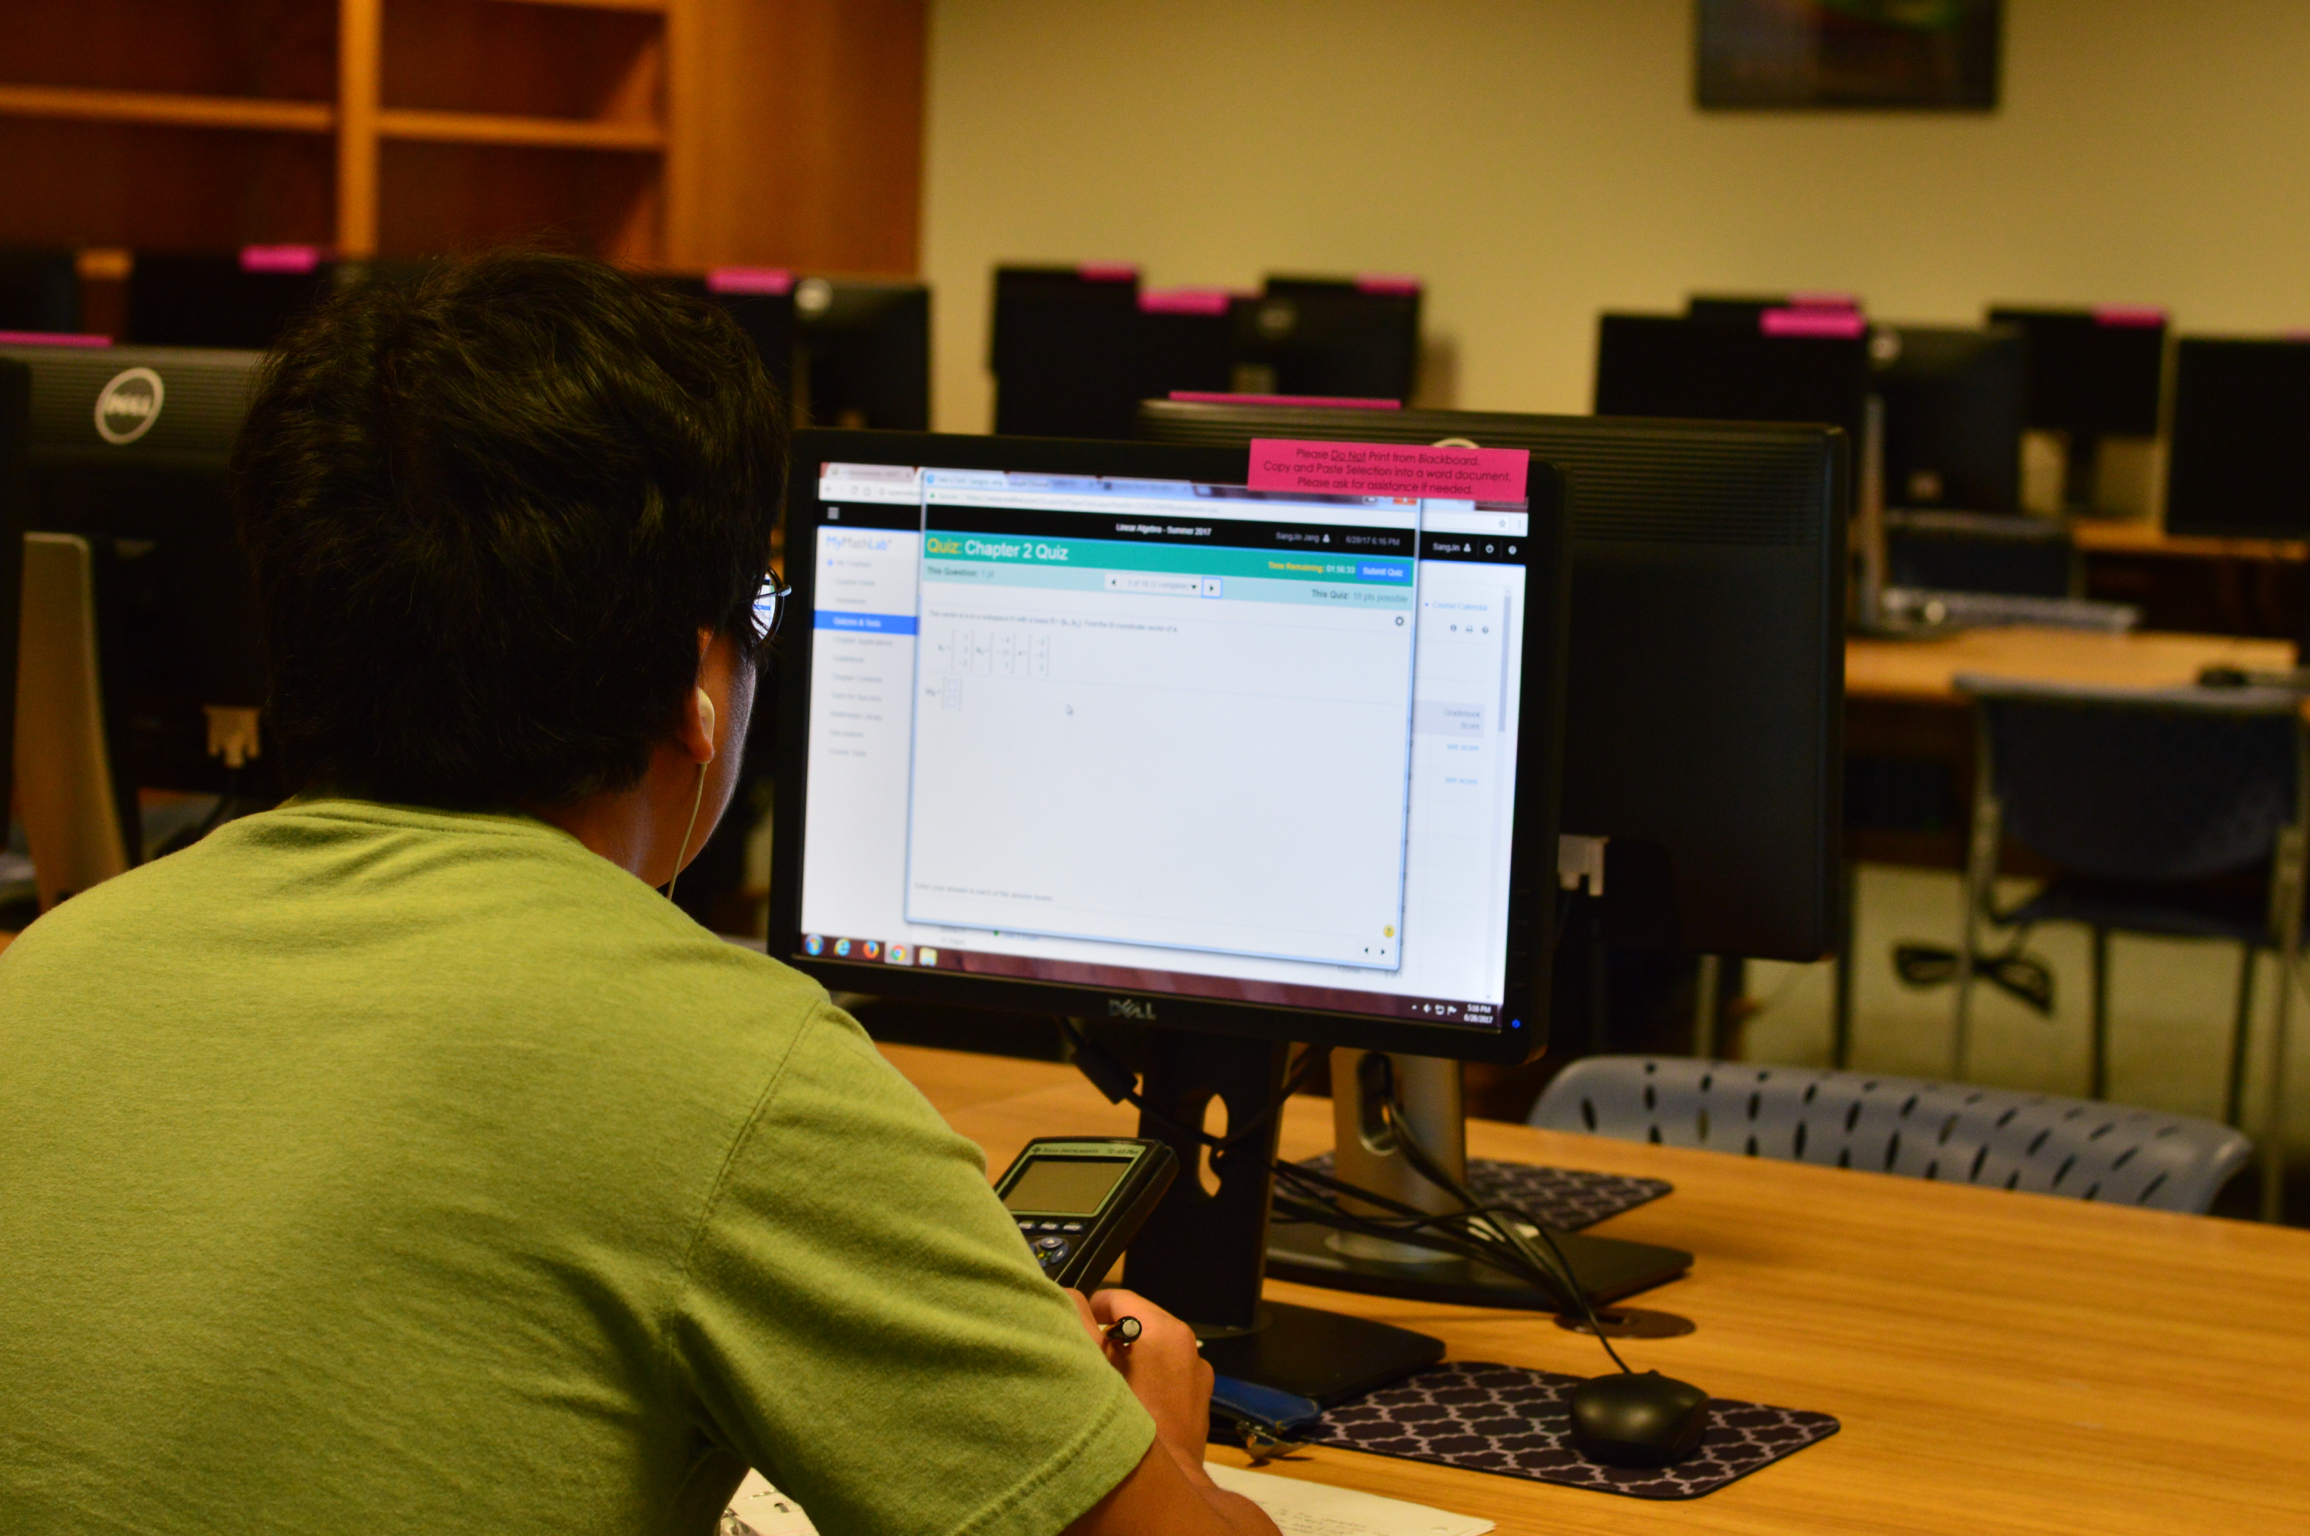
column 695, row 729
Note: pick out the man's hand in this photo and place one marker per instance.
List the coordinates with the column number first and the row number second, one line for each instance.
column 1168, row 1493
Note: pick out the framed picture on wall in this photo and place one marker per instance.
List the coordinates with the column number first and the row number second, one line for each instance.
column 1933, row 55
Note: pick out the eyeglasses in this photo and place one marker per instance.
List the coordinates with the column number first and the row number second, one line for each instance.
column 769, row 611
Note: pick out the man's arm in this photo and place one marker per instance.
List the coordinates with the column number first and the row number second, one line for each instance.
column 1168, row 1493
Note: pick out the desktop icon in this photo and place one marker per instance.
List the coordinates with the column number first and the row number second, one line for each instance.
column 899, row 954
column 841, row 948
column 812, row 944
column 871, row 949
column 926, row 956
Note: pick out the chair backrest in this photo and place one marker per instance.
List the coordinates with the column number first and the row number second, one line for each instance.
column 64, row 777
column 1953, row 1132
column 2142, row 784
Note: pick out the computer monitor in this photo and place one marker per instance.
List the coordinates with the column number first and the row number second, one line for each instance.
column 15, row 492
column 235, row 300
column 1788, row 365
column 1187, row 340
column 1955, row 408
column 1347, row 337
column 761, row 300
column 863, row 354
column 39, row 291
column 2092, row 374
column 127, row 450
column 1749, row 309
column 1705, row 697
column 1066, row 351
column 2236, row 466
column 1094, row 730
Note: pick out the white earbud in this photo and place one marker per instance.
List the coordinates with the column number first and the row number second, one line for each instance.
column 681, row 854
column 706, row 718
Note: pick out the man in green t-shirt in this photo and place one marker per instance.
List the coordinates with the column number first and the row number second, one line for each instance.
column 399, row 1159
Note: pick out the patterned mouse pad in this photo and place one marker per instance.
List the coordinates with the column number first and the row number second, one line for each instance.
column 1505, row 1419
column 1564, row 1198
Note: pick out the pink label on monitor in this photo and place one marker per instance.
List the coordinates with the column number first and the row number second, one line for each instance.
column 1389, row 469
column 52, row 339
column 1824, row 301
column 1185, row 301
column 2145, row 316
column 750, row 280
column 280, row 258
column 1107, row 272
column 1325, row 402
column 1381, row 282
column 1811, row 322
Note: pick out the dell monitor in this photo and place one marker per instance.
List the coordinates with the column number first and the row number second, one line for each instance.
column 39, row 291
column 127, row 450
column 862, row 356
column 1785, row 365
column 2236, row 467
column 1095, row 730
column 1705, row 695
column 15, row 493
column 1955, row 408
column 242, row 300
column 1065, row 351
column 2092, row 374
column 1356, row 338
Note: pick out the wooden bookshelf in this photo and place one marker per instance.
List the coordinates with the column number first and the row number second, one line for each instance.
column 657, row 132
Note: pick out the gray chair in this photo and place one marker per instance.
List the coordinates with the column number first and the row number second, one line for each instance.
column 1951, row 1132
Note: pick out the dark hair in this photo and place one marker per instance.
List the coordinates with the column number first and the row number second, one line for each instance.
column 488, row 510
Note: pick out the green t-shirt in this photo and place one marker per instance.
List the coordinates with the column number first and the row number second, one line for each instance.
column 369, row 1170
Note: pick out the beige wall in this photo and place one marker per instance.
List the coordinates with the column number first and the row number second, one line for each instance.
column 1538, row 160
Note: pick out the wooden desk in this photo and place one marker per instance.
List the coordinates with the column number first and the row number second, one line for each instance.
column 2187, row 581
column 2001, row 1363
column 2096, row 536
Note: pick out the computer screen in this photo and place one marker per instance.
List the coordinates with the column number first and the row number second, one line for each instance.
column 1351, row 337
column 2237, row 468
column 1065, row 349
column 2092, row 372
column 1704, row 705
column 862, row 355
column 1095, row 729
column 1701, row 369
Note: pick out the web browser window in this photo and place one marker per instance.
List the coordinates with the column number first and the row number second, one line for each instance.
column 1165, row 736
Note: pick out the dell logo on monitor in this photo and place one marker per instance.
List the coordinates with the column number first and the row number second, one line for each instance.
column 1130, row 1008
column 129, row 405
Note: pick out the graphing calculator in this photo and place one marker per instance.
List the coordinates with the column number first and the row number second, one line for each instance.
column 1080, row 1200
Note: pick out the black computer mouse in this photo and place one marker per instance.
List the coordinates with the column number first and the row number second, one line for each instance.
column 2222, row 677
column 1637, row 1420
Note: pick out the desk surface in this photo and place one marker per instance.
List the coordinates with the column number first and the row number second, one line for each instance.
column 2001, row 1363
column 2096, row 536
column 1922, row 670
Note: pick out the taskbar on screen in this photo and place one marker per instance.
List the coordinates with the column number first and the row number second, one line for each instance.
column 1121, row 978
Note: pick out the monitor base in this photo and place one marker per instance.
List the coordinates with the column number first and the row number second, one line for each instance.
column 1606, row 1268
column 1327, row 1357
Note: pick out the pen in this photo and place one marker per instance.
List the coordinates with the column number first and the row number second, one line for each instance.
column 1121, row 1331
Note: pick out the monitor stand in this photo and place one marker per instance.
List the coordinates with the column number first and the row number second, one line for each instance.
column 1606, row 1269
column 1203, row 1253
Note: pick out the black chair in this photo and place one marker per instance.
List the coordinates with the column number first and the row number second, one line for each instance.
column 2177, row 812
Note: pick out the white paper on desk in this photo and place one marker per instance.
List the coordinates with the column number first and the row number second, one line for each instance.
column 1319, row 1509
column 761, row 1510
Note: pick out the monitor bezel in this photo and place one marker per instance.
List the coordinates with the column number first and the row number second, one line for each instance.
column 1532, row 856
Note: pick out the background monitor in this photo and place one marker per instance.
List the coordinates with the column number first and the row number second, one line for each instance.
column 1065, row 351
column 1705, row 697
column 2237, row 468
column 39, row 291
column 127, row 449
column 15, row 491
column 1350, row 337
column 1955, row 404
column 1674, row 366
column 2092, row 372
column 761, row 300
column 862, row 356
column 242, row 300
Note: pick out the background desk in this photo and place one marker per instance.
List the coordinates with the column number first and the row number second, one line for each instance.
column 1909, row 733
column 2188, row 582
column 2002, row 1363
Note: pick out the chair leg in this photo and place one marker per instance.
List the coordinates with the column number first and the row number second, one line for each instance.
column 2100, row 1013
column 2241, row 1030
column 2274, row 1124
column 1980, row 881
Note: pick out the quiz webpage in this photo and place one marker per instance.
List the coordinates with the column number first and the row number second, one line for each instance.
column 1162, row 736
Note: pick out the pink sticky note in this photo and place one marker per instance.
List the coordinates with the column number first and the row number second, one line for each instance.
column 52, row 339
column 2144, row 315
column 1389, row 469
column 280, row 258
column 1824, row 301
column 1327, row 402
column 1184, row 301
column 1107, row 272
column 1382, row 282
column 1810, row 322
column 750, row 280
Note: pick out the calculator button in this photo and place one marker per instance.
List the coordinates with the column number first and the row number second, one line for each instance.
column 1048, row 1226
column 1071, row 1226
